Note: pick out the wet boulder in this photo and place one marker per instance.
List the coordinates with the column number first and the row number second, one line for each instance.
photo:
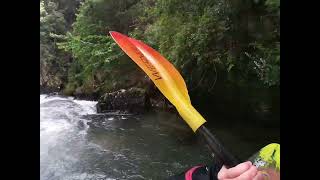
column 133, row 100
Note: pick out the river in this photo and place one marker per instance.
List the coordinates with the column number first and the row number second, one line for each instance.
column 76, row 143
column 113, row 146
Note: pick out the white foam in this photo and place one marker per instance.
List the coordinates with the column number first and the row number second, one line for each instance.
column 89, row 107
column 59, row 117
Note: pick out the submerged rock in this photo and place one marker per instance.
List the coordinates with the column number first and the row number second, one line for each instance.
column 133, row 100
column 111, row 121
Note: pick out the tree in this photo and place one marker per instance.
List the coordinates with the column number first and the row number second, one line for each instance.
column 209, row 38
column 55, row 20
column 101, row 65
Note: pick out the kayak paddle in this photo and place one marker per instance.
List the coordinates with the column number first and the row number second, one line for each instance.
column 171, row 84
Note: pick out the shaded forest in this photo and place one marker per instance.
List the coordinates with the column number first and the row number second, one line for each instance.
column 228, row 51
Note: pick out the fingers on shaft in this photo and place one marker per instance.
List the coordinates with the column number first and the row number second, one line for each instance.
column 249, row 174
column 261, row 176
column 235, row 171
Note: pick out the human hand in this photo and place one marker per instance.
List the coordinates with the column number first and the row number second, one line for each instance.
column 243, row 171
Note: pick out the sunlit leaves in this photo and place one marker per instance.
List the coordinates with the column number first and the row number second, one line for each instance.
column 97, row 57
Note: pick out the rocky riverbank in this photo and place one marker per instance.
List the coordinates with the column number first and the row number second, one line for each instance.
column 132, row 100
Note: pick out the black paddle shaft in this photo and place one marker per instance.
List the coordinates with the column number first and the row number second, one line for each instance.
column 217, row 148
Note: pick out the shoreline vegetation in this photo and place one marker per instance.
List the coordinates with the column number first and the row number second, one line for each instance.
column 227, row 51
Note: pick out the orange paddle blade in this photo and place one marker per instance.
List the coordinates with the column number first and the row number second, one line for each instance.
column 157, row 57
column 164, row 75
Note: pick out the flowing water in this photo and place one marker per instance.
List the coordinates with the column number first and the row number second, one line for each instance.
column 111, row 146
column 76, row 143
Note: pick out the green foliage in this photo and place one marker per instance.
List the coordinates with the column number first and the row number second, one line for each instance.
column 232, row 43
column 190, row 35
column 208, row 38
column 99, row 63
column 53, row 25
column 266, row 63
column 69, row 89
column 273, row 5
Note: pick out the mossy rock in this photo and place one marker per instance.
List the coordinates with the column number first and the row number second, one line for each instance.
column 131, row 100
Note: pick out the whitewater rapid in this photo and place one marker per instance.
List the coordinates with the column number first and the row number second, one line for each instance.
column 76, row 143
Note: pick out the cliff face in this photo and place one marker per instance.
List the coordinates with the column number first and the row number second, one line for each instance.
column 49, row 82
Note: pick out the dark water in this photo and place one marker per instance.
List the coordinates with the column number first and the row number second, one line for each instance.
column 77, row 143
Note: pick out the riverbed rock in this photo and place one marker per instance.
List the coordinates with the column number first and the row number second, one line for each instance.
column 92, row 96
column 132, row 100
